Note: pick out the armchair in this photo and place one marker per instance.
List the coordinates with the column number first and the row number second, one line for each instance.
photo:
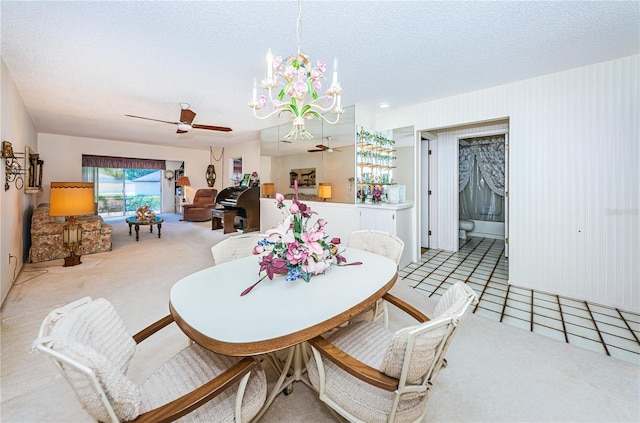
column 200, row 211
column 367, row 373
column 90, row 346
column 384, row 244
column 235, row 247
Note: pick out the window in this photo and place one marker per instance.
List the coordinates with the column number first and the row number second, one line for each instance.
column 120, row 191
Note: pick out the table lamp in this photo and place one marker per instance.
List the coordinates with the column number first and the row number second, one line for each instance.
column 324, row 190
column 183, row 182
column 71, row 199
column 268, row 189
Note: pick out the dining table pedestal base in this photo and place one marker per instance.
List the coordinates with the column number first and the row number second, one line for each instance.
column 291, row 371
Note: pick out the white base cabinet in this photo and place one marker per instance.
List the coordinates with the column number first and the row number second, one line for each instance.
column 392, row 218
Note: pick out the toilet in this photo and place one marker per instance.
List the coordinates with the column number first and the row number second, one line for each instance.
column 464, row 226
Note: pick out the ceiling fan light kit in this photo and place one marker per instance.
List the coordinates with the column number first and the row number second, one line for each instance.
column 185, row 124
column 299, row 94
column 322, row 147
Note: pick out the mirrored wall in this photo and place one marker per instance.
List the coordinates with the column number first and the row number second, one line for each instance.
column 328, row 158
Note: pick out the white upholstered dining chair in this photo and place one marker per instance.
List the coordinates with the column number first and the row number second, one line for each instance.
column 384, row 244
column 91, row 347
column 367, row 373
column 235, row 247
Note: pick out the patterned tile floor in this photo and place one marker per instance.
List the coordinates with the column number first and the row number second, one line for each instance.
column 482, row 265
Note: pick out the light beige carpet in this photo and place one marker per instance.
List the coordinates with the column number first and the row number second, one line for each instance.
column 496, row 372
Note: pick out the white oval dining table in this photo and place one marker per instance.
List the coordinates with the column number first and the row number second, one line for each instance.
column 276, row 314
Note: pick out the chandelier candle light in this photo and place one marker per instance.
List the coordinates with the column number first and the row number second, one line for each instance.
column 301, row 83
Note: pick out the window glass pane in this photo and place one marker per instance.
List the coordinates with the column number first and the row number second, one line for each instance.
column 120, row 192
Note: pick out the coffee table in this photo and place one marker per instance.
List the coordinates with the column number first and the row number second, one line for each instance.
column 132, row 221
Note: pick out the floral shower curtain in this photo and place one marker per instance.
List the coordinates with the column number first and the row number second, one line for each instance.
column 481, row 179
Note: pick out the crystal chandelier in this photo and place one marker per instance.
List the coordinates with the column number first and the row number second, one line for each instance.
column 299, row 95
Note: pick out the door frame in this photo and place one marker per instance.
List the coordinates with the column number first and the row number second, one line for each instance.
column 504, row 132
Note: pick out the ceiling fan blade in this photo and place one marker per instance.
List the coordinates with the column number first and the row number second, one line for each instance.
column 314, row 151
column 187, row 116
column 212, row 128
column 180, row 131
column 155, row 120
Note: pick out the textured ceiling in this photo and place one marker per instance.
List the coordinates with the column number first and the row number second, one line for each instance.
column 81, row 66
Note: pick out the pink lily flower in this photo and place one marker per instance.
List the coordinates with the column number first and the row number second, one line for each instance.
column 314, row 267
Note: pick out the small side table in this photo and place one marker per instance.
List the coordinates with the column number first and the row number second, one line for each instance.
column 132, row 221
column 223, row 218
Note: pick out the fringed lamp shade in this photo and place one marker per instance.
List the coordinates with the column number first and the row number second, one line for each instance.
column 183, row 181
column 71, row 199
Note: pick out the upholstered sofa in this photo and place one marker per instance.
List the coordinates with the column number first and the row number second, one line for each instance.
column 200, row 211
column 46, row 235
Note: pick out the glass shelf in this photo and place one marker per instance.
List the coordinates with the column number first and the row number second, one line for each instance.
column 375, row 161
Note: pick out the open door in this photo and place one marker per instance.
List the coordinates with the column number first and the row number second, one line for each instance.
column 428, row 212
column 506, row 195
column 424, row 195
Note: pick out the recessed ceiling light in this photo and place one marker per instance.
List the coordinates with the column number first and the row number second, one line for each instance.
column 384, row 105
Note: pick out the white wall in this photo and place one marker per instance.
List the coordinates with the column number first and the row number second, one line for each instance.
column 574, row 176
column 66, row 152
column 404, row 173
column 15, row 206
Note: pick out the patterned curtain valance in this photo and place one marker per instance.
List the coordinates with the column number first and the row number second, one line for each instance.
column 123, row 162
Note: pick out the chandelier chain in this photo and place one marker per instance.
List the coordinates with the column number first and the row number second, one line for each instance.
column 301, row 83
column 299, row 24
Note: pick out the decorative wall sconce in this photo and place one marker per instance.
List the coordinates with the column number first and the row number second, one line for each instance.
column 210, row 175
column 33, row 171
column 12, row 170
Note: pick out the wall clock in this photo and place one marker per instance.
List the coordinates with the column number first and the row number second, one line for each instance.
column 169, row 174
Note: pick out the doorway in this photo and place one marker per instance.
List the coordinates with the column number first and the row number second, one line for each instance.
column 439, row 182
column 482, row 201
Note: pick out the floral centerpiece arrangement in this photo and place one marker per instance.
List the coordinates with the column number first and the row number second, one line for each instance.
column 145, row 214
column 298, row 248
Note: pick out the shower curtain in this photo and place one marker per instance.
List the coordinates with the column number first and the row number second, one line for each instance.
column 481, row 179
